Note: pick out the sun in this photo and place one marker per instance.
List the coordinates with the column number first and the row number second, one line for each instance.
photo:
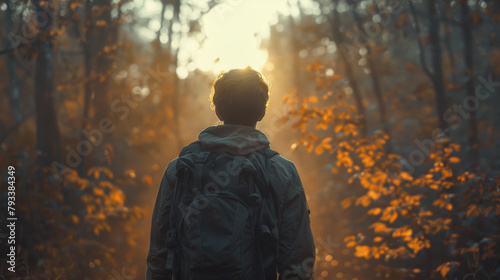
column 234, row 31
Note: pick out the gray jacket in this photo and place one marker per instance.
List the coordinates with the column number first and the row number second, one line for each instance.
column 296, row 245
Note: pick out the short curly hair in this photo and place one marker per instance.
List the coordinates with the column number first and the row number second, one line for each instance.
column 240, row 96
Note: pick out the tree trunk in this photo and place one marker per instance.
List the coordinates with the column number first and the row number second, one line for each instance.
column 175, row 102
column 377, row 89
column 437, row 63
column 103, row 63
column 295, row 57
column 447, row 41
column 47, row 129
column 175, row 77
column 104, row 48
column 164, row 59
column 469, row 86
column 14, row 96
column 87, row 62
column 338, row 38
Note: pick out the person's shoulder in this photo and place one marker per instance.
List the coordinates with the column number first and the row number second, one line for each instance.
column 285, row 179
column 282, row 162
column 170, row 171
column 283, row 167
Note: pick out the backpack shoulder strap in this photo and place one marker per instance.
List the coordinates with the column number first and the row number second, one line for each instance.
column 269, row 153
column 194, row 147
column 269, row 256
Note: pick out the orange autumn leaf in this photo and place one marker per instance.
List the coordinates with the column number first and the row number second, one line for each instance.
column 476, row 18
column 98, row 192
column 362, row 251
column 445, row 268
column 454, row 160
column 336, row 77
column 100, row 23
column 351, row 244
column 147, row 180
column 374, row 211
column 453, row 87
column 346, row 203
column 285, row 98
column 410, row 66
column 318, row 150
column 404, row 17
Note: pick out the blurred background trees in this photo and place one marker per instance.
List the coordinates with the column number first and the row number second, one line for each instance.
column 389, row 109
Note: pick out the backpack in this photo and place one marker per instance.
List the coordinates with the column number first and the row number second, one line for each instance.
column 223, row 217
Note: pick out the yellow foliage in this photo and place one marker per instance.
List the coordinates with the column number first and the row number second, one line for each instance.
column 389, row 215
column 380, row 227
column 396, row 182
column 349, row 238
column 420, row 208
column 98, row 192
column 363, row 200
column 148, row 180
column 338, row 128
column 454, row 160
column 351, row 244
column 362, row 252
column 416, row 245
column 444, row 268
column 405, row 176
column 373, row 195
column 374, row 211
column 346, row 203
column 101, row 23
column 318, row 150
column 75, row 219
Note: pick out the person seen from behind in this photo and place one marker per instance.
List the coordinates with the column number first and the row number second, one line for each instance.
column 229, row 207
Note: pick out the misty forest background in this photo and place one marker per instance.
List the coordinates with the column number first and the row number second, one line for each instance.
column 389, row 109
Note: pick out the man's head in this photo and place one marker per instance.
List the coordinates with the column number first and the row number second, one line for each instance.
column 240, row 96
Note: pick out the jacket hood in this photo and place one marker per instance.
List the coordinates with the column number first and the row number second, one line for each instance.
column 234, row 139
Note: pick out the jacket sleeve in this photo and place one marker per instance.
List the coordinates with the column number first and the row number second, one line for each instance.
column 296, row 244
column 158, row 251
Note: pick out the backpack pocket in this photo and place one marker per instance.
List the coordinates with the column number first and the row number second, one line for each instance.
column 220, row 235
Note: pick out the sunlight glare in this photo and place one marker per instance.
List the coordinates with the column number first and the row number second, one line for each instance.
column 234, row 31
